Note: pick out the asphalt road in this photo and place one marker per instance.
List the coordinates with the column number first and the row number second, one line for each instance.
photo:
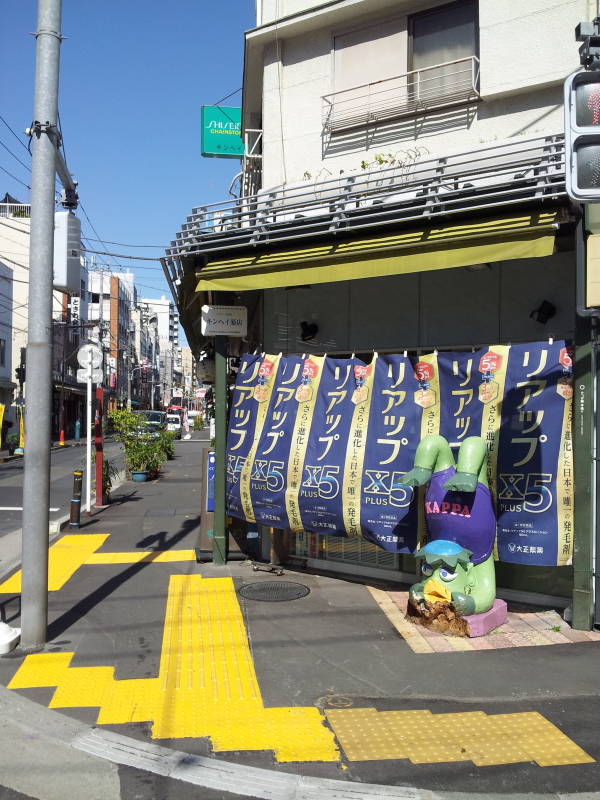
column 64, row 462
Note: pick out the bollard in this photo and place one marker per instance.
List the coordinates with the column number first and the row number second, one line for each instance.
column 76, row 500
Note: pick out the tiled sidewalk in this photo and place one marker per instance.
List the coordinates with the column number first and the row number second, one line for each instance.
column 522, row 629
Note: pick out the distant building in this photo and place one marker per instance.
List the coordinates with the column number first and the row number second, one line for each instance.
column 167, row 319
column 69, row 312
column 112, row 298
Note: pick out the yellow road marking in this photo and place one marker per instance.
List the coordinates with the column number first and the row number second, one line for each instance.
column 65, row 557
column 366, row 734
column 206, row 685
column 73, row 551
column 152, row 556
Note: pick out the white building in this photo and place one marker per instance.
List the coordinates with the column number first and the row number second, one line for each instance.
column 68, row 311
column 167, row 319
column 7, row 384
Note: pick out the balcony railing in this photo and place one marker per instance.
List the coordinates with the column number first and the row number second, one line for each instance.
column 416, row 92
column 529, row 172
column 14, row 210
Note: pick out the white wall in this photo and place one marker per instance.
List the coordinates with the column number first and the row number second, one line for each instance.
column 450, row 308
column 526, row 51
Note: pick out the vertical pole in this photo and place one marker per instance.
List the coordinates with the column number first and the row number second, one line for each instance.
column 584, row 374
column 583, row 440
column 219, row 532
column 128, row 386
column 61, row 402
column 36, row 482
column 99, row 442
column 75, row 510
column 88, row 443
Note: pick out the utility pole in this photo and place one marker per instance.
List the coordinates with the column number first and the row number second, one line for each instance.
column 36, row 484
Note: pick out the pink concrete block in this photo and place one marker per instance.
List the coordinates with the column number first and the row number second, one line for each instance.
column 480, row 624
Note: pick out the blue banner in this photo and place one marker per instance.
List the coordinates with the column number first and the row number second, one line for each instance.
column 320, row 497
column 535, row 471
column 321, row 444
column 268, row 479
column 388, row 516
column 242, row 423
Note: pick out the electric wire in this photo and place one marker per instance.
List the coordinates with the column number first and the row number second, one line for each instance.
column 14, row 177
column 124, row 244
column 18, row 138
column 8, row 150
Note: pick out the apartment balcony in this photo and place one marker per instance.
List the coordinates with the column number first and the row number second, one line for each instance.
column 520, row 174
column 417, row 92
column 12, row 210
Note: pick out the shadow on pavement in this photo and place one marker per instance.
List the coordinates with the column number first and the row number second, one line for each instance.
column 86, row 604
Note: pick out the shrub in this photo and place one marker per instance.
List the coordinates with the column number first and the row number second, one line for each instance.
column 198, row 423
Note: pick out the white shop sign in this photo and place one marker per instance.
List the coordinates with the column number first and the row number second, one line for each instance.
column 224, row 321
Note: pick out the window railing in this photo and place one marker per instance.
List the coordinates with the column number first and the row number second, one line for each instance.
column 415, row 92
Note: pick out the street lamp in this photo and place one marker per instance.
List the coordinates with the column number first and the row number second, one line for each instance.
column 129, row 377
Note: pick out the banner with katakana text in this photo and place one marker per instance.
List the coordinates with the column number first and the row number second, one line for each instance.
column 249, row 398
column 321, row 445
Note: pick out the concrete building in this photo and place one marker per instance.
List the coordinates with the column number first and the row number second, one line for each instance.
column 404, row 190
column 68, row 313
column 167, row 318
column 146, row 377
column 7, row 384
column 111, row 300
column 188, row 371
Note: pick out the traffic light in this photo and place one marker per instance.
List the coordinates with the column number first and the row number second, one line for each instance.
column 582, row 135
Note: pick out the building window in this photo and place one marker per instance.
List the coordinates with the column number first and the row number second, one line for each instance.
column 447, row 33
column 370, row 54
column 2, row 352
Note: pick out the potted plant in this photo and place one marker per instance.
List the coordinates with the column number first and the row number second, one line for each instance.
column 142, row 456
column 143, row 450
column 199, row 422
column 12, row 440
column 109, row 472
column 167, row 439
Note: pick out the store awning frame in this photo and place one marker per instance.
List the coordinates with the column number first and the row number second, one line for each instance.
column 427, row 248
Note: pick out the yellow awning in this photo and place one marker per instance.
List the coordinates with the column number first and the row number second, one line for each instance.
column 530, row 236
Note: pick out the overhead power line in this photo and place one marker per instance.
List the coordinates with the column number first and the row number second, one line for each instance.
column 124, row 244
column 14, row 177
column 8, row 150
column 18, row 138
column 120, row 255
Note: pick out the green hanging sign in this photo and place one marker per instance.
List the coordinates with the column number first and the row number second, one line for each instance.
column 221, row 134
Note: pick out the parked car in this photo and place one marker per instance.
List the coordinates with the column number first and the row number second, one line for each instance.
column 174, row 424
column 151, row 422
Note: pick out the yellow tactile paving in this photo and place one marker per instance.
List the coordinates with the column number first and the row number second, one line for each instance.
column 425, row 738
column 65, row 557
column 155, row 556
column 206, row 684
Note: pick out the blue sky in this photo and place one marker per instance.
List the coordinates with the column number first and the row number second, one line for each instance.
column 134, row 74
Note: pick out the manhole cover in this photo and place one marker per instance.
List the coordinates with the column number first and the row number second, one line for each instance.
column 273, row 591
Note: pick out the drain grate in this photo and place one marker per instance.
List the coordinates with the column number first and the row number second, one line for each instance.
column 273, row 591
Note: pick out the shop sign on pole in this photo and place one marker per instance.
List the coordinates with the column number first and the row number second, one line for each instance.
column 221, row 133
column 224, row 321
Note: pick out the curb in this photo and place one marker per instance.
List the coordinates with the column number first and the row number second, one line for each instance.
column 26, row 718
